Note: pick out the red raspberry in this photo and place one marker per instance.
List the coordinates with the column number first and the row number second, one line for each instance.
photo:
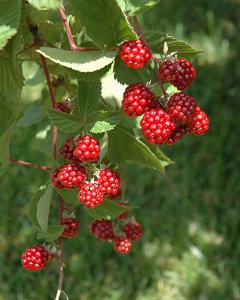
column 110, row 181
column 124, row 214
column 92, row 226
column 137, row 99
column 135, row 54
column 133, row 231
column 64, row 106
column 157, row 125
column 87, row 149
column 200, row 122
column 179, row 72
column 72, row 175
column 114, row 197
column 103, row 230
column 71, row 226
column 122, row 245
column 67, row 149
column 91, row 194
column 181, row 107
column 35, row 258
column 176, row 135
column 55, row 181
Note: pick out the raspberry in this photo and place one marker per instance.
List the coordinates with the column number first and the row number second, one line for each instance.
column 87, row 149
column 110, row 181
column 67, row 149
column 200, row 122
column 133, row 231
column 113, row 197
column 71, row 226
column 157, row 125
column 55, row 181
column 122, row 245
column 137, row 99
column 181, row 107
column 124, row 214
column 178, row 72
column 35, row 258
column 91, row 194
column 176, row 135
column 72, row 175
column 103, row 230
column 135, row 54
column 64, row 106
column 92, row 226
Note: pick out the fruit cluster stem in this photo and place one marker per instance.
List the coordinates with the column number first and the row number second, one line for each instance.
column 29, row 164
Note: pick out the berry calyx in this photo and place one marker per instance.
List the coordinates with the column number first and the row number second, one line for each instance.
column 72, row 175
column 66, row 151
column 35, row 258
column 91, row 194
column 176, row 135
column 110, row 181
column 55, row 181
column 181, row 107
column 133, row 231
column 87, row 149
column 200, row 122
column 71, row 226
column 157, row 125
column 122, row 245
column 137, row 99
column 179, row 72
column 103, row 230
column 135, row 54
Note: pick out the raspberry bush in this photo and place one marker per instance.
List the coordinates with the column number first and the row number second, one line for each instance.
column 91, row 138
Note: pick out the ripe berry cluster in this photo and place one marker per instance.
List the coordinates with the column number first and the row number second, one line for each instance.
column 162, row 122
column 121, row 232
column 77, row 173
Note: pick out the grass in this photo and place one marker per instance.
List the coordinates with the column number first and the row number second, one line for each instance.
column 191, row 247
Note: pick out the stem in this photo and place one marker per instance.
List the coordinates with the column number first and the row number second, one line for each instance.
column 29, row 164
column 71, row 41
column 155, row 60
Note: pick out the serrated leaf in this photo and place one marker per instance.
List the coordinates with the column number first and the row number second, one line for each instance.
column 114, row 27
column 65, row 121
column 69, row 195
column 45, row 4
column 126, row 75
column 102, row 126
column 53, row 232
column 5, row 139
column 108, row 210
column 79, row 61
column 136, row 7
column 112, row 117
column 124, row 147
column 156, row 41
column 39, row 207
column 88, row 95
column 32, row 115
column 10, row 13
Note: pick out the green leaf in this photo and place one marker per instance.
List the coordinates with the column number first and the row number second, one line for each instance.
column 88, row 95
column 69, row 195
column 10, row 13
column 45, row 4
column 156, row 41
column 124, row 147
column 112, row 117
column 136, row 7
column 126, row 75
column 53, row 232
column 39, row 207
column 5, row 139
column 107, row 210
column 32, row 115
column 102, row 126
column 79, row 61
column 105, row 22
column 65, row 121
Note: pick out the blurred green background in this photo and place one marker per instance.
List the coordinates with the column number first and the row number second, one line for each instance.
column 191, row 215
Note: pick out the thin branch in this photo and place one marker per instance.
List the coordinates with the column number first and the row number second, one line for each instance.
column 30, row 164
column 156, row 61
